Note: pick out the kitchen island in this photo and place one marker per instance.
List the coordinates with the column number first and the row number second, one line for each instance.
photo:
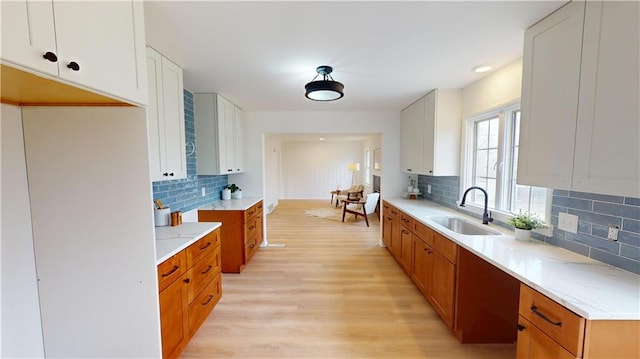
column 490, row 278
column 242, row 230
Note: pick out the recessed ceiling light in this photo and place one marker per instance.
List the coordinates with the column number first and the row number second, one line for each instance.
column 481, row 68
column 321, row 138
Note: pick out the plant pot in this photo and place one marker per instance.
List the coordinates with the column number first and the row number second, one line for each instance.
column 236, row 195
column 523, row 234
column 416, row 190
column 226, row 194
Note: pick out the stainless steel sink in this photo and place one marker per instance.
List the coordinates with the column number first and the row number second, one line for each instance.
column 462, row 226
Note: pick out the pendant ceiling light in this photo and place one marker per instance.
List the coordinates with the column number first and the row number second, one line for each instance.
column 326, row 89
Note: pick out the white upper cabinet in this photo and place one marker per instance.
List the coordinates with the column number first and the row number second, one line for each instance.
column 550, row 81
column 430, row 143
column 165, row 119
column 98, row 46
column 412, row 144
column 580, row 95
column 219, row 135
column 607, row 156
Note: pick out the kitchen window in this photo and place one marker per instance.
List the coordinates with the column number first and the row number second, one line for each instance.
column 492, row 163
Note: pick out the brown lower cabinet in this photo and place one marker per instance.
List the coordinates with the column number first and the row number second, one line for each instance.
column 241, row 234
column 190, row 286
column 480, row 303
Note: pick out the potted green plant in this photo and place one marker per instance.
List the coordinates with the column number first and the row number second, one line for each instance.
column 524, row 222
column 236, row 192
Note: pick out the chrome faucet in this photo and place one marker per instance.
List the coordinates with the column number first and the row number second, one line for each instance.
column 486, row 216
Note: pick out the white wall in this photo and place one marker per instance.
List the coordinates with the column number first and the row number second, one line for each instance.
column 312, row 169
column 502, row 87
column 258, row 123
column 272, row 172
column 21, row 334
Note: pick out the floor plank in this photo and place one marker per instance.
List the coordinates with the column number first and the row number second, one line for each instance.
column 331, row 292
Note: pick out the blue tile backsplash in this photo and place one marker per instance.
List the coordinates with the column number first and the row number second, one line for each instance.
column 186, row 194
column 595, row 212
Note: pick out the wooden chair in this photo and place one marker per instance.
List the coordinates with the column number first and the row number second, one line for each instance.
column 353, row 193
column 361, row 207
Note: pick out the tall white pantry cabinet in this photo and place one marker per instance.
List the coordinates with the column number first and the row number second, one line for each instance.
column 78, row 252
column 580, row 90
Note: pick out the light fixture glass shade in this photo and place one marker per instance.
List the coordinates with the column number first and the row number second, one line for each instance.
column 354, row 167
column 326, row 89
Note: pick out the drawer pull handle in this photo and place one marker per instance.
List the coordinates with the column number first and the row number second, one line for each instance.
column 206, row 270
column 404, row 231
column 252, row 227
column 405, row 220
column 251, row 213
column 175, row 268
column 520, row 327
column 205, row 246
column 535, row 310
column 252, row 245
column 187, row 280
column 208, row 300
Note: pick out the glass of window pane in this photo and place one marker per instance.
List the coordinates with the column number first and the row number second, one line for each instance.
column 481, row 163
column 492, row 163
column 477, row 196
column 539, row 201
column 491, row 191
column 482, row 134
column 493, row 132
column 521, row 199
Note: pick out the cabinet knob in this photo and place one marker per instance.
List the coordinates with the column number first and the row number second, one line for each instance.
column 238, row 170
column 520, row 327
column 50, row 56
column 74, row 66
column 408, row 169
column 166, row 174
column 171, row 174
column 187, row 280
column 430, row 171
column 229, row 170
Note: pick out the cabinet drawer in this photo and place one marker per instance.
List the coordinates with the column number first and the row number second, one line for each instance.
column 202, row 273
column 445, row 247
column 252, row 211
column 533, row 343
column 424, row 232
column 406, row 220
column 250, row 248
column 394, row 212
column 564, row 326
column 203, row 304
column 251, row 230
column 202, row 247
column 171, row 269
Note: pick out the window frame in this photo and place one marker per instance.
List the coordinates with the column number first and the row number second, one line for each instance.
column 505, row 155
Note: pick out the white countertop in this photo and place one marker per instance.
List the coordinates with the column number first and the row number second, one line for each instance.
column 592, row 289
column 233, row 204
column 171, row 240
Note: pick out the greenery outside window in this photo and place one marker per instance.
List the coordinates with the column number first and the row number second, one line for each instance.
column 491, row 162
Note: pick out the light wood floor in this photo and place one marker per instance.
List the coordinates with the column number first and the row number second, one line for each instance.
column 331, row 292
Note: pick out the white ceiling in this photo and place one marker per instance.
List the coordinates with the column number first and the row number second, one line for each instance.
column 387, row 54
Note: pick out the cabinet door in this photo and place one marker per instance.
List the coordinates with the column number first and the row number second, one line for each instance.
column 387, row 230
column 155, row 114
column 443, row 279
column 174, row 318
column 106, row 40
column 226, row 134
column 534, row 344
column 429, row 131
column 406, row 244
column 238, row 143
column 607, row 153
column 28, row 33
column 422, row 265
column 173, row 108
column 412, row 138
column 550, row 81
column 396, row 239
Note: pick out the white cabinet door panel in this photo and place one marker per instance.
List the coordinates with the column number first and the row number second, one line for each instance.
column 155, row 120
column 99, row 36
column 173, row 97
column 239, row 140
column 549, row 98
column 28, row 33
column 607, row 156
